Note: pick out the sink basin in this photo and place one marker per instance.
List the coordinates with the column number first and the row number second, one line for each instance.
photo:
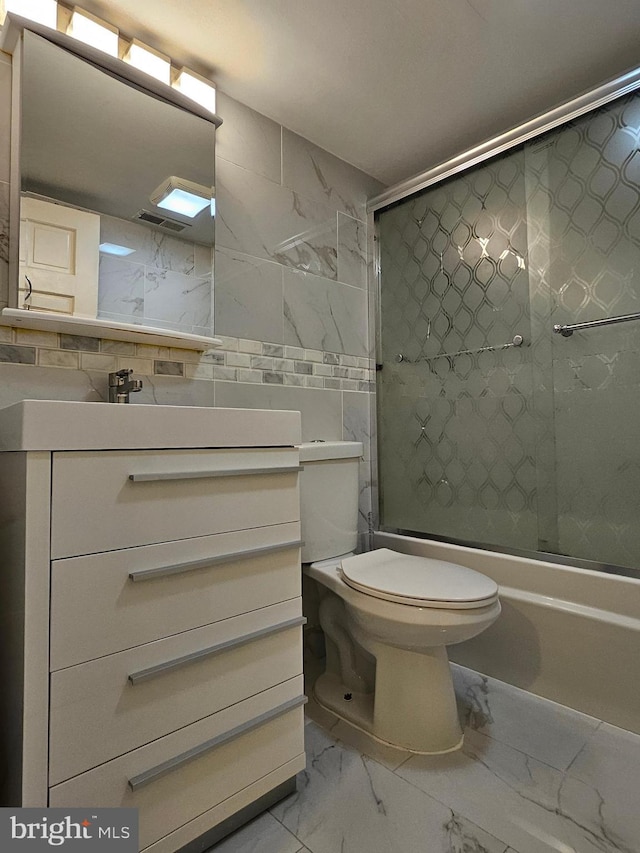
column 63, row 425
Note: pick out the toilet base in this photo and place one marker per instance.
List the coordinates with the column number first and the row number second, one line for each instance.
column 358, row 711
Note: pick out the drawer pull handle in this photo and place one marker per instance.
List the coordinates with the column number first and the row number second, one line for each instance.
column 179, row 568
column 210, row 651
column 137, row 782
column 200, row 475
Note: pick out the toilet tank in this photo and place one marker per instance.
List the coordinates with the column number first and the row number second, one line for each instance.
column 329, row 498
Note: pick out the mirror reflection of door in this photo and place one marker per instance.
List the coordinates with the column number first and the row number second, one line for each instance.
column 58, row 258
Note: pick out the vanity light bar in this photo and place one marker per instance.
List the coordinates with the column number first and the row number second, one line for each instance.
column 102, row 35
column 98, row 33
column 93, row 31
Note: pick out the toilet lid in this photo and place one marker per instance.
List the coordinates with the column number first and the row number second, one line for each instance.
column 420, row 581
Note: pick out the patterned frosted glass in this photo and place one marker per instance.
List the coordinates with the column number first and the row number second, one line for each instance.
column 535, row 447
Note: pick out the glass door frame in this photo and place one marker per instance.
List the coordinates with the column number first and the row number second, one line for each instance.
column 559, row 115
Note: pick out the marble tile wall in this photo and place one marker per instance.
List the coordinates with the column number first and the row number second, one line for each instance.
column 290, row 293
column 291, row 253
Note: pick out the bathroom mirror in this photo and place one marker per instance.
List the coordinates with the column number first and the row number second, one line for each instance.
column 101, row 162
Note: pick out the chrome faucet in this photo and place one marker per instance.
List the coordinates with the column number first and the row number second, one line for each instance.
column 121, row 385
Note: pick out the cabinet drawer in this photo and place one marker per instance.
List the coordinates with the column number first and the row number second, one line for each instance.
column 106, row 707
column 105, row 603
column 177, row 778
column 102, row 501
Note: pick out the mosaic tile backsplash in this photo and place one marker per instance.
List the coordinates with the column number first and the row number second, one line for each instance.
column 237, row 361
column 532, row 447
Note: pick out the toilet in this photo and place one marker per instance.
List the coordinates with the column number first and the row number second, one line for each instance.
column 387, row 617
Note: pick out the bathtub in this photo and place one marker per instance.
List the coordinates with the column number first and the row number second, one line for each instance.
column 571, row 635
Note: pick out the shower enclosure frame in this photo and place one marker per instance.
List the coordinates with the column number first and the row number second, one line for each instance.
column 556, row 117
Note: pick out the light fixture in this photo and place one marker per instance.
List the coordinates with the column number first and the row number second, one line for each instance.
column 198, row 88
column 182, row 196
column 42, row 11
column 114, row 249
column 93, row 31
column 150, row 61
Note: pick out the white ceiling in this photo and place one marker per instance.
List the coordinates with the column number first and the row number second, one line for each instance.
column 393, row 86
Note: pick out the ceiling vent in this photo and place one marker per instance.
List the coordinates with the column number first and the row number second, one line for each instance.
column 161, row 221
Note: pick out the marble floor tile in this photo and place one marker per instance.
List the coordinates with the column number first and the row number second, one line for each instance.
column 609, row 759
column 542, row 729
column 358, row 796
column 348, row 803
column 263, row 835
column 532, row 806
column 609, row 763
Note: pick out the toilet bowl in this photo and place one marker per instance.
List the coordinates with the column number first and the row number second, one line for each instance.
column 387, row 617
column 403, row 694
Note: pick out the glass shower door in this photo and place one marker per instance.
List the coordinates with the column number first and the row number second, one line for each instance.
column 533, row 447
column 584, row 214
column 456, row 420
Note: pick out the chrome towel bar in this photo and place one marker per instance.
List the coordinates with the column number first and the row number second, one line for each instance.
column 568, row 329
column 517, row 341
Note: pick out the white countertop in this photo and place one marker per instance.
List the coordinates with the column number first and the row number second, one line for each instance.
column 63, row 425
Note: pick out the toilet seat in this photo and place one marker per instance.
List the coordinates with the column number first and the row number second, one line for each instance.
column 417, row 581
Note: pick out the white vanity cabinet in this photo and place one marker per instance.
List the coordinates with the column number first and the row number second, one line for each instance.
column 150, row 621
